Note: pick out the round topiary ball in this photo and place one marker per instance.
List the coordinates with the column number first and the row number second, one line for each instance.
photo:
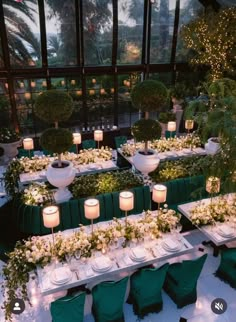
column 53, row 106
column 146, row 130
column 56, row 140
column 149, row 95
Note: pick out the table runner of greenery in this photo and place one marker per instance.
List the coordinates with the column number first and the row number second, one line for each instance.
column 37, row 251
column 40, row 194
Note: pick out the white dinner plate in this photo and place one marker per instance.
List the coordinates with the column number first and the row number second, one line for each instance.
column 171, row 249
column 67, row 278
column 140, row 259
column 227, row 233
column 101, row 270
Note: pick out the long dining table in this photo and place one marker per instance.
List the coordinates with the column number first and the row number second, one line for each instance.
column 215, row 233
column 117, row 260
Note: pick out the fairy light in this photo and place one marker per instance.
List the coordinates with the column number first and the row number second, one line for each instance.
column 213, row 45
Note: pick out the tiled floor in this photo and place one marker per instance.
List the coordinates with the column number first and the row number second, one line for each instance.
column 209, row 288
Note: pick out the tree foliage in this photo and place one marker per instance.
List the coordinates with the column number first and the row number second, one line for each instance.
column 212, row 38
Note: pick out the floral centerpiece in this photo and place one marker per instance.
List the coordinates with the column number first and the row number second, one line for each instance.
column 163, row 144
column 215, row 211
column 37, row 251
column 90, row 156
column 8, row 135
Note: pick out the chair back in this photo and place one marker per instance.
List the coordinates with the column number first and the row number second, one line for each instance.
column 120, row 140
column 149, row 281
column 191, row 270
column 68, row 308
column 108, row 300
column 88, row 144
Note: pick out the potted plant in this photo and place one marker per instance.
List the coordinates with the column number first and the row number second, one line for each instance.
column 164, row 118
column 147, row 96
column 9, row 142
column 177, row 94
column 53, row 107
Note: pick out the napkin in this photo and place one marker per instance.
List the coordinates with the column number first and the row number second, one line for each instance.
column 139, row 252
column 60, row 274
column 226, row 230
column 170, row 243
column 102, row 262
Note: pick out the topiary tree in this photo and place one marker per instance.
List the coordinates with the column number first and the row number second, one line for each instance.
column 56, row 141
column 149, row 95
column 146, row 130
column 54, row 106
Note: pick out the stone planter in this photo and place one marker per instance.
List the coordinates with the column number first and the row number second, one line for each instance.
column 212, row 146
column 10, row 150
column 61, row 178
column 146, row 163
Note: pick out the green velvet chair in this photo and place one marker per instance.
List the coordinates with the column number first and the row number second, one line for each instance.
column 146, row 290
column 227, row 268
column 120, row 140
column 68, row 308
column 181, row 281
column 88, row 144
column 108, row 301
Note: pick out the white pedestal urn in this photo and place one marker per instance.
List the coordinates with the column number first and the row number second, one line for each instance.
column 10, row 150
column 212, row 146
column 146, row 163
column 61, row 178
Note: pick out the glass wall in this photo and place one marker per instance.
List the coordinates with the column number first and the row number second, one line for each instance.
column 5, row 108
column 23, row 33
column 80, row 55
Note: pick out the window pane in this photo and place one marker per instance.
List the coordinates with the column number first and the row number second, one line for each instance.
column 97, row 23
column 1, row 56
column 100, row 101
column 163, row 13
column 189, row 10
column 23, row 34
column 61, row 32
column 130, row 31
column 5, row 110
column 26, row 92
column 128, row 114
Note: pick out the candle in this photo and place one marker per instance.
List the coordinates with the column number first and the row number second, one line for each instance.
column 171, row 126
column 76, row 138
column 98, row 135
column 63, row 83
column 112, row 90
column 128, row 83
column 27, row 96
column 28, row 144
column 125, row 82
column 72, row 82
column 102, row 91
column 6, row 85
column 51, row 216
column 44, row 84
column 91, row 92
column 189, row 124
column 213, row 185
column 159, row 193
column 33, row 84
column 79, row 92
column 22, row 85
column 94, row 81
column 91, row 208
column 126, row 200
